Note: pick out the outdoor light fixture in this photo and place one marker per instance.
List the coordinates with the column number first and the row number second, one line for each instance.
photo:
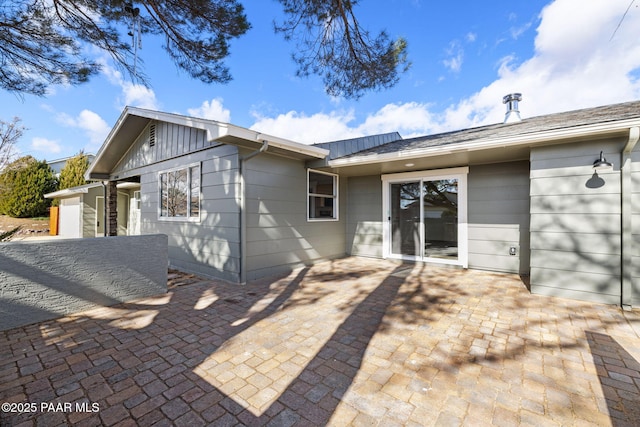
column 602, row 163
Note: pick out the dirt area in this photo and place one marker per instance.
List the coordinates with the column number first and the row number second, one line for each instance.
column 29, row 225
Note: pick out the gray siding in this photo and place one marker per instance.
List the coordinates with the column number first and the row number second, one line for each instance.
column 575, row 222
column 498, row 217
column 89, row 212
column 279, row 237
column 364, row 216
column 210, row 246
column 635, row 225
column 171, row 141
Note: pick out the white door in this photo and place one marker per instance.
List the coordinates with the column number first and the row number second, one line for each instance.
column 69, row 217
column 134, row 214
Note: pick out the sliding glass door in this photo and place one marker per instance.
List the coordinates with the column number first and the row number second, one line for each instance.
column 426, row 216
column 440, row 218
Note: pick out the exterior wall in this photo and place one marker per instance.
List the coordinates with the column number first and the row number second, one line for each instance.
column 278, row 235
column 575, row 222
column 635, row 225
column 89, row 212
column 364, row 216
column 498, row 217
column 48, row 279
column 210, row 246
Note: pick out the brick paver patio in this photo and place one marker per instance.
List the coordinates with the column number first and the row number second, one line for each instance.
column 349, row 342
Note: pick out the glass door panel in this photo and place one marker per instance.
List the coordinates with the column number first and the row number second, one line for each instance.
column 405, row 218
column 440, row 210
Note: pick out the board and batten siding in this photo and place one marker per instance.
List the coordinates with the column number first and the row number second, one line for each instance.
column 279, row 237
column 210, row 246
column 161, row 141
column 498, row 217
column 575, row 222
column 364, row 216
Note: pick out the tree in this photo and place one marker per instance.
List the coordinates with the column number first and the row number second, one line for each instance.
column 23, row 183
column 72, row 174
column 331, row 43
column 40, row 41
column 10, row 133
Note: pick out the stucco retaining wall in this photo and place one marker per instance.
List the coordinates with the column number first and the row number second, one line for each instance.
column 48, row 279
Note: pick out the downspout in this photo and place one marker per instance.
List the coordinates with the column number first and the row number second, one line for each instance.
column 104, row 208
column 626, row 276
column 242, row 209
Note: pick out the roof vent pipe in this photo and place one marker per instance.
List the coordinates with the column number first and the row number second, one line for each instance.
column 513, row 113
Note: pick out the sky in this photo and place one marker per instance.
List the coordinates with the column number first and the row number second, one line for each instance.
column 465, row 56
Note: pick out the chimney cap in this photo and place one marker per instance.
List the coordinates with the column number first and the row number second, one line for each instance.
column 513, row 113
column 512, row 97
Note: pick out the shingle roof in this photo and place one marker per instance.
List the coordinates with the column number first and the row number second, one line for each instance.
column 564, row 120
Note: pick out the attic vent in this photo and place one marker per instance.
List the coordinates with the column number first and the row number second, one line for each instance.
column 152, row 135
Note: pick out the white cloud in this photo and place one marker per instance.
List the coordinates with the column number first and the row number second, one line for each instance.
column 299, row 127
column 574, row 65
column 94, row 127
column 212, row 110
column 44, row 145
column 455, row 57
column 409, row 119
column 134, row 95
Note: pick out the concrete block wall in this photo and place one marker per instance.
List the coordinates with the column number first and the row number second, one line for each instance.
column 48, row 279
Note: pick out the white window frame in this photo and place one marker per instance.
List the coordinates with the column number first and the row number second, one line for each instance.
column 463, row 239
column 334, row 196
column 187, row 218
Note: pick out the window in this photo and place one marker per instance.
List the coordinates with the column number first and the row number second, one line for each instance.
column 180, row 193
column 323, row 196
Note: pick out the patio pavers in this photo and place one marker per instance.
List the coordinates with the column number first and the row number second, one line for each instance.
column 348, row 342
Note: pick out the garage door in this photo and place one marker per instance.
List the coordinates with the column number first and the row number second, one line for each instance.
column 69, row 219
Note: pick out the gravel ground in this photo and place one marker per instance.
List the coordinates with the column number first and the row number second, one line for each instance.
column 29, row 225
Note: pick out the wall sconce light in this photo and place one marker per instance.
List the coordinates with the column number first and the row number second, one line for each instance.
column 602, row 163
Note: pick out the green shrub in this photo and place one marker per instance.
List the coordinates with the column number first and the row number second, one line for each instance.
column 72, row 174
column 23, row 185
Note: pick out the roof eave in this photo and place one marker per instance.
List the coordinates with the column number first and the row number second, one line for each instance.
column 531, row 139
column 69, row 192
column 216, row 132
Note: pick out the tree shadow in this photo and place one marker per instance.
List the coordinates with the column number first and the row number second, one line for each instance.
column 90, row 357
column 619, row 376
column 196, row 352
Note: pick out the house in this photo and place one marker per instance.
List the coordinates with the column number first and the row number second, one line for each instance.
column 81, row 210
column 520, row 197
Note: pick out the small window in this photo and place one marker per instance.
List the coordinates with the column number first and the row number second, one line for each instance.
column 180, row 193
column 322, row 196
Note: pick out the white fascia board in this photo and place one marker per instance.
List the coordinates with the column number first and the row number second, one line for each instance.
column 489, row 143
column 105, row 144
column 216, row 130
column 274, row 141
column 67, row 192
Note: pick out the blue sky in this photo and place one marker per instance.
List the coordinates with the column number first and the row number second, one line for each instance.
column 465, row 56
